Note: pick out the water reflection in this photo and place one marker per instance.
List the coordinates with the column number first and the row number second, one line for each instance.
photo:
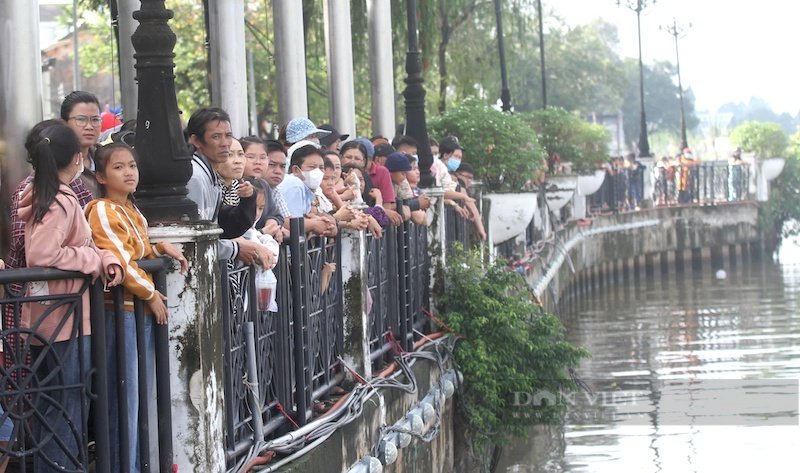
column 688, row 373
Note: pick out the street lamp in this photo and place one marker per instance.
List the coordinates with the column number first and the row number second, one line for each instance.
column 541, row 52
column 414, row 96
column 505, row 94
column 165, row 162
column 637, row 6
column 676, row 31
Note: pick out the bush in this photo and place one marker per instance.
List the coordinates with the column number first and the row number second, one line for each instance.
column 501, row 147
column 766, row 140
column 784, row 193
column 510, row 345
column 583, row 144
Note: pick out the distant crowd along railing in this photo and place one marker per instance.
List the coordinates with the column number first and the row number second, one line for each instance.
column 703, row 183
column 298, row 347
column 54, row 394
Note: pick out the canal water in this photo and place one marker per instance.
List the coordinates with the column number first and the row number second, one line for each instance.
column 689, row 373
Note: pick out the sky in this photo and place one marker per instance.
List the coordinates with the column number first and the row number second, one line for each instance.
column 734, row 50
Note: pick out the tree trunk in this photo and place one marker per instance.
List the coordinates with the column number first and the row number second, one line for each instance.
column 445, row 32
column 443, row 72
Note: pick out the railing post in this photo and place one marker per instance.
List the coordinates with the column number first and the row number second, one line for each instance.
column 195, row 353
column 302, row 363
column 102, row 438
column 404, row 315
column 356, row 294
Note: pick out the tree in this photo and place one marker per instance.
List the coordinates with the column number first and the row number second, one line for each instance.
column 501, row 147
column 781, row 212
column 661, row 99
column 583, row 144
column 766, row 140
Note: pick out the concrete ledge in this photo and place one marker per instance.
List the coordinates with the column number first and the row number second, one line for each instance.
column 678, row 237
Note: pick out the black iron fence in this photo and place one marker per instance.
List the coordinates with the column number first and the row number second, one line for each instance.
column 701, row 183
column 297, row 346
column 57, row 371
column 398, row 269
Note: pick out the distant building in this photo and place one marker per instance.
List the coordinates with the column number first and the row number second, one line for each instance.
column 613, row 123
column 58, row 65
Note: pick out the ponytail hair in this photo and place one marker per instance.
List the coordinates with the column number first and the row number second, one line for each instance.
column 35, row 135
column 53, row 151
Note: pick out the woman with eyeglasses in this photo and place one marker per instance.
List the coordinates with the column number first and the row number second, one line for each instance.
column 81, row 111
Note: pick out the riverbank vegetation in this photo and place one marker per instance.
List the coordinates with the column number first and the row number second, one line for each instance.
column 513, row 355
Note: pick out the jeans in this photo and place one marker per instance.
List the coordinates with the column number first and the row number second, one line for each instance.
column 62, row 403
column 129, row 346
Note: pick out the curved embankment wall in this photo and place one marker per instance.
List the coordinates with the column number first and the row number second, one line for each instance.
column 619, row 247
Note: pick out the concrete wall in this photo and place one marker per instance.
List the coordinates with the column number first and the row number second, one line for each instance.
column 648, row 241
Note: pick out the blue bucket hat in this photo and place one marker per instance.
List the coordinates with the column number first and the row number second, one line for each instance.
column 301, row 128
column 368, row 145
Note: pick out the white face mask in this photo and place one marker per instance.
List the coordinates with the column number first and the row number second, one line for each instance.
column 313, row 178
column 80, row 171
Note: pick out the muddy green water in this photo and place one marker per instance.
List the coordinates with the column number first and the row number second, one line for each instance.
column 689, row 373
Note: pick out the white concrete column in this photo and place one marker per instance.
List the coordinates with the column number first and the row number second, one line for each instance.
column 20, row 85
column 196, row 349
column 355, row 277
column 228, row 61
column 127, row 72
column 339, row 49
column 381, row 70
column 290, row 59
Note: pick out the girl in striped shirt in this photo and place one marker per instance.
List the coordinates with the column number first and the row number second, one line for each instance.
column 118, row 226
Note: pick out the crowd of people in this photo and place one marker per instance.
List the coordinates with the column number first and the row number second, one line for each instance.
column 676, row 181
column 77, row 212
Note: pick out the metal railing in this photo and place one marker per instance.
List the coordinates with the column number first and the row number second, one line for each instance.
column 297, row 348
column 457, row 229
column 53, row 371
column 703, row 183
column 398, row 269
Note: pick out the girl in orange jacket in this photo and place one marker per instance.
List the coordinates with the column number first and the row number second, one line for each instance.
column 119, row 227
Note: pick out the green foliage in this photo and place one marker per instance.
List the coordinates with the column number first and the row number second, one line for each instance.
column 766, row 140
column 583, row 144
column 784, row 194
column 510, row 345
column 503, row 149
column 459, row 56
column 662, row 103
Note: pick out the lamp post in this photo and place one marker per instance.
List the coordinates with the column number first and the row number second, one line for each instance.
column 414, row 95
column 676, row 31
column 541, row 52
column 165, row 165
column 637, row 6
column 505, row 94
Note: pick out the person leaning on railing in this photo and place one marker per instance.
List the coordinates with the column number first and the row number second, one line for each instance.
column 58, row 236
column 118, row 226
column 331, row 201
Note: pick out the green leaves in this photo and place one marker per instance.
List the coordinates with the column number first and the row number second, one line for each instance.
column 766, row 140
column 583, row 144
column 511, row 349
column 501, row 147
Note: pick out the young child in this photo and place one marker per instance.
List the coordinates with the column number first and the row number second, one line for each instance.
column 266, row 295
column 119, row 227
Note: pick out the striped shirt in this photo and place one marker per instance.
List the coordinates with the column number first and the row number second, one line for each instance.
column 122, row 229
